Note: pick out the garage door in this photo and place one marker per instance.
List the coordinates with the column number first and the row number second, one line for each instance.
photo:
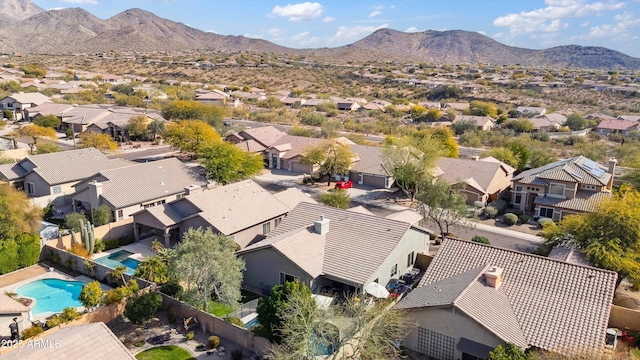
column 300, row 167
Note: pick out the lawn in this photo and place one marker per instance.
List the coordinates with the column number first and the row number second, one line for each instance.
column 170, row 352
column 218, row 309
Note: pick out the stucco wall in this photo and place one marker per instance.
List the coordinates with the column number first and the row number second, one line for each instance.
column 623, row 318
column 413, row 240
column 455, row 325
column 263, row 268
column 113, row 230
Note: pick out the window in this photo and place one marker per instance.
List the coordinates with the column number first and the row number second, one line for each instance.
column 556, row 189
column 518, row 188
column 394, row 270
column 161, row 202
column 410, row 259
column 31, row 188
column 120, row 215
column 546, row 212
column 285, row 278
column 277, row 222
column 518, row 199
column 266, row 228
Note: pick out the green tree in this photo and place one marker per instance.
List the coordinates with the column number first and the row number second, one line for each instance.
column 508, row 351
column 609, row 237
column 118, row 273
column 433, row 114
column 156, row 127
column 503, row 154
column 576, row 122
column 102, row 215
column 181, row 110
column 28, row 249
column 154, row 269
column 17, row 213
column 101, row 142
column 483, row 108
column 521, row 152
column 50, row 121
column 74, row 220
column 122, row 89
column 138, row 127
column 443, row 203
column 313, row 119
column 270, row 308
column 331, row 156
column 190, row 136
column 225, row 163
column 8, row 256
column 90, row 295
column 520, row 125
column 35, row 132
column 540, row 157
column 140, row 309
column 205, row 263
column 156, row 246
column 417, row 112
column 462, row 126
column 338, row 198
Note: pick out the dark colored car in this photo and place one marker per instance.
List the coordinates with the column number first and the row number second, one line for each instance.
column 344, row 184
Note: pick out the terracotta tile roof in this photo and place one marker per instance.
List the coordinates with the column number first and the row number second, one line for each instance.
column 574, row 170
column 552, row 304
column 91, row 341
column 584, row 201
column 266, row 136
column 473, row 172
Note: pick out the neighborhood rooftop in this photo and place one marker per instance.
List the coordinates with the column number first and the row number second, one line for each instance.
column 576, row 169
column 542, row 302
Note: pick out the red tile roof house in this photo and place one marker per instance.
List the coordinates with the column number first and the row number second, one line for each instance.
column 474, row 297
column 624, row 127
column 329, row 248
column 564, row 187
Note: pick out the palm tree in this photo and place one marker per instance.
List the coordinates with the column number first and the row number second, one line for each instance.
column 153, row 269
column 118, row 273
column 156, row 246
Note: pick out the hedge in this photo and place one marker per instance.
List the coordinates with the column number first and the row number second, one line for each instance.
column 524, row 219
column 510, row 219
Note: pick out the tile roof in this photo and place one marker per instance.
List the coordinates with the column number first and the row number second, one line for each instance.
column 480, row 120
column 370, row 160
column 555, row 305
column 408, row 216
column 292, row 196
column 10, row 306
column 362, row 210
column 30, row 98
column 143, row 182
column 251, row 146
column 574, row 170
column 297, row 144
column 470, row 171
column 584, row 201
column 616, row 124
column 49, row 109
column 266, row 136
column 91, row 341
column 356, row 244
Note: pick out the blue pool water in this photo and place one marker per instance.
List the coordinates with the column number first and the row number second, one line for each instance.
column 52, row 295
column 252, row 323
column 119, row 258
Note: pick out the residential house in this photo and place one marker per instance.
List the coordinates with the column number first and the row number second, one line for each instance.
column 367, row 168
column 624, row 127
column 541, row 124
column 50, row 177
column 314, row 102
column 629, row 117
column 46, row 109
column 458, row 106
column 293, row 101
column 332, row 250
column 106, row 119
column 564, row 187
column 484, row 123
column 348, row 105
column 430, row 104
column 89, row 341
column 129, row 189
column 530, row 111
column 598, row 116
column 11, row 309
column 215, row 97
column 244, row 211
column 485, row 179
column 475, row 297
column 556, row 120
column 19, row 102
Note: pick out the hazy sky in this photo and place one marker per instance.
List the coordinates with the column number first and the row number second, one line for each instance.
column 532, row 24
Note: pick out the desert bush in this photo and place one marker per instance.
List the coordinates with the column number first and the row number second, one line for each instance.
column 517, row 212
column 480, row 239
column 478, row 204
column 510, row 219
column 524, row 219
column 490, row 212
column 80, row 250
column 235, row 321
column 545, row 222
column 110, row 244
column 98, row 246
column 190, row 335
column 31, row 332
column 501, row 205
column 214, row 342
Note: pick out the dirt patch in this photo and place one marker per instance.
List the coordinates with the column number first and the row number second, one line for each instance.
column 626, row 296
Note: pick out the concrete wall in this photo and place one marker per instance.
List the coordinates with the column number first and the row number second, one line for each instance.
column 413, row 240
column 455, row 325
column 263, row 268
column 210, row 323
column 114, row 230
column 623, row 318
column 16, row 154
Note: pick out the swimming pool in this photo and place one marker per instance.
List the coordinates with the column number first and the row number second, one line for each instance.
column 252, row 323
column 52, row 295
column 119, row 258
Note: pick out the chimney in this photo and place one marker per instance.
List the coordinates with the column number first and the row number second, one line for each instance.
column 95, row 191
column 612, row 170
column 493, row 277
column 321, row 226
column 191, row 189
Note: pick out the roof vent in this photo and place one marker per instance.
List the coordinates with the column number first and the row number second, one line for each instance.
column 493, row 276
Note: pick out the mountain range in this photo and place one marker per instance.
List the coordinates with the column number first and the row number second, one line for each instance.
column 26, row 28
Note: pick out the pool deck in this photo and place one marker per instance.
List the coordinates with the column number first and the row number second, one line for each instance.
column 140, row 250
column 55, row 274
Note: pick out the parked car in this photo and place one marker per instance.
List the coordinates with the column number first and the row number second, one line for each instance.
column 344, row 184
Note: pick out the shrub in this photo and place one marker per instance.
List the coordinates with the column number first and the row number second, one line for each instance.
column 98, row 246
column 235, row 321
column 480, row 239
column 501, row 205
column 544, row 222
column 517, row 212
column 126, row 240
column 69, row 133
column 339, row 199
column 490, row 212
column 140, row 309
column 190, row 335
column 80, row 250
column 110, row 244
column 172, row 288
column 433, row 236
column 139, row 343
column 524, row 219
column 68, row 314
column 214, row 342
column 478, row 204
column 31, row 332
column 54, row 321
column 510, row 219
column 74, row 221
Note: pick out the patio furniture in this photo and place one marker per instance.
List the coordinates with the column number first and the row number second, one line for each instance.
column 190, row 323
